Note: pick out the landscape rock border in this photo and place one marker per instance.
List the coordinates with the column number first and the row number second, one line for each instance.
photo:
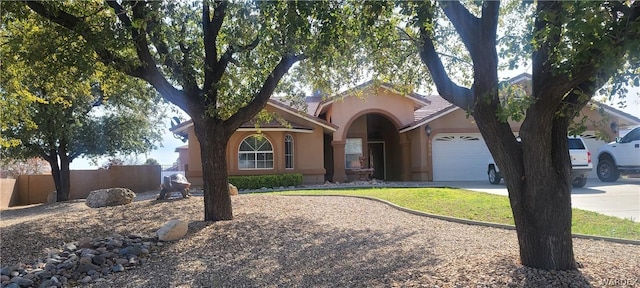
column 80, row 262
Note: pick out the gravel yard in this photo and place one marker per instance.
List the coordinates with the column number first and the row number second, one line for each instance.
column 296, row 241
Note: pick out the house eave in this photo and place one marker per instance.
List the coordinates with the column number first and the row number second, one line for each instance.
column 293, row 130
column 429, row 118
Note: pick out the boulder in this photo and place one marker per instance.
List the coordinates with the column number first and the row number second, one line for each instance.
column 233, row 190
column 173, row 230
column 110, row 197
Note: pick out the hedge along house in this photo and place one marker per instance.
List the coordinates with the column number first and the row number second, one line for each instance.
column 379, row 131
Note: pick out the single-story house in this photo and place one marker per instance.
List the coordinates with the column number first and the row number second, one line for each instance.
column 375, row 129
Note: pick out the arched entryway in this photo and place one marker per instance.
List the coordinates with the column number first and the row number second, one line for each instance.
column 372, row 141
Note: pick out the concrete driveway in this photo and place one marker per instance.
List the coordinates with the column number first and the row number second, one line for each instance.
column 620, row 199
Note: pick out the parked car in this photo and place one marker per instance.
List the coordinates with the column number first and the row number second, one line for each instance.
column 619, row 157
column 581, row 164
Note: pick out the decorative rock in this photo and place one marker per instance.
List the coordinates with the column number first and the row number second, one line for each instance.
column 233, row 190
column 98, row 260
column 131, row 250
column 84, row 268
column 70, row 247
column 86, row 279
column 5, row 271
column 21, row 281
column 88, row 252
column 92, row 260
column 173, row 230
column 109, row 197
column 49, row 283
column 85, row 243
column 117, row 268
column 86, row 260
column 43, row 274
column 114, row 243
column 122, row 261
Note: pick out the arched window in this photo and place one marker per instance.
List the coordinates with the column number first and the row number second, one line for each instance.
column 288, row 151
column 255, row 152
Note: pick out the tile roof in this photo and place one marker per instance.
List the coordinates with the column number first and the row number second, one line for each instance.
column 437, row 104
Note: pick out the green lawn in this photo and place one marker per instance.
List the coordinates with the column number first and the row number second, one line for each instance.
column 482, row 207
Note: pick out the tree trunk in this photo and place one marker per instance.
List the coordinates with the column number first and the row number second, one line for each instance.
column 55, row 173
column 61, row 177
column 213, row 147
column 542, row 203
column 537, row 172
column 65, row 179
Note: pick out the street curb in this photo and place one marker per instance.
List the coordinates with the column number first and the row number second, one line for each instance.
column 467, row 221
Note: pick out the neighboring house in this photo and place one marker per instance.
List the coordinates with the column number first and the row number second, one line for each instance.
column 183, row 157
column 402, row 137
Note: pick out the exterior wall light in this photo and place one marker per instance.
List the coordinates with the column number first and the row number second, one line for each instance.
column 427, row 129
column 614, row 127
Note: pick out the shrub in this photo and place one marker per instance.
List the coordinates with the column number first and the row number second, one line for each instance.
column 268, row 181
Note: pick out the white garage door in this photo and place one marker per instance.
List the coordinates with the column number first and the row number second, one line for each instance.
column 593, row 144
column 459, row 157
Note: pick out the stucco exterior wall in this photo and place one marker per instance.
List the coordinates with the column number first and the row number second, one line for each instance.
column 308, row 153
column 395, row 107
column 419, row 165
column 408, row 154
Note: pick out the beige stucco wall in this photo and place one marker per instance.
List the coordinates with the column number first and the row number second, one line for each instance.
column 414, row 159
column 397, row 108
column 308, row 153
column 347, row 114
column 308, row 157
column 458, row 122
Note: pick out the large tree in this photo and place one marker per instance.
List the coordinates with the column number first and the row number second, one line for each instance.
column 577, row 47
column 219, row 61
column 59, row 104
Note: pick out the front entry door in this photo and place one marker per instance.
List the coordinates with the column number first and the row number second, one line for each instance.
column 377, row 159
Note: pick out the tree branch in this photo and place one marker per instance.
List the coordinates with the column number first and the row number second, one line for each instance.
column 74, row 23
column 149, row 71
column 211, row 27
column 153, row 30
column 260, row 99
column 188, row 76
column 459, row 96
column 467, row 25
column 227, row 57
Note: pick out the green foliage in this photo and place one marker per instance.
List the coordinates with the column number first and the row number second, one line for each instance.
column 151, row 161
column 58, row 100
column 514, row 102
column 268, row 181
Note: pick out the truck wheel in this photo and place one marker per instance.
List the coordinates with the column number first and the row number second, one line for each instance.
column 607, row 171
column 579, row 182
column 494, row 176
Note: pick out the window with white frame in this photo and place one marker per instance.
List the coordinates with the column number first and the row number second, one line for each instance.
column 288, row 151
column 353, row 152
column 255, row 152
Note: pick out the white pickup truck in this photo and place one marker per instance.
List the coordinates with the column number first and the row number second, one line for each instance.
column 581, row 164
column 619, row 157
